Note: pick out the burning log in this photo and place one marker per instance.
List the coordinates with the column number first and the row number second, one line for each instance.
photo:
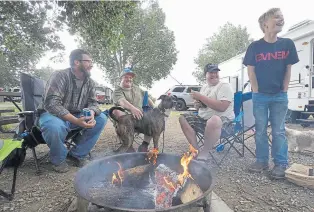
column 166, row 186
column 189, row 191
column 132, row 176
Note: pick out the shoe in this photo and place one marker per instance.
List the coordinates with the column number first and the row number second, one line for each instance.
column 258, row 167
column 278, row 172
column 63, row 167
column 143, row 147
column 77, row 162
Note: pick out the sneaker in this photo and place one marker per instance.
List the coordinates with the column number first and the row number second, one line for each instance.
column 77, row 162
column 258, row 167
column 63, row 167
column 278, row 172
column 143, row 147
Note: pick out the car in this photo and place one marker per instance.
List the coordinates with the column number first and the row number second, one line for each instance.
column 182, row 92
column 101, row 95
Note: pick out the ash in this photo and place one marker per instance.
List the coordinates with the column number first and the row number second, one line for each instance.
column 130, row 196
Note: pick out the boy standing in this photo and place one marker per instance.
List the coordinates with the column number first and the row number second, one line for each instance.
column 269, row 62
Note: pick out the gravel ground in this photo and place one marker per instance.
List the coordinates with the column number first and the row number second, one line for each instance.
column 241, row 190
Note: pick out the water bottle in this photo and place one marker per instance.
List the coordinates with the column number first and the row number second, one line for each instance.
column 145, row 102
column 220, row 147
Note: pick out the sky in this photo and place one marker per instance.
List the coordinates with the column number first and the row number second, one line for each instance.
column 194, row 21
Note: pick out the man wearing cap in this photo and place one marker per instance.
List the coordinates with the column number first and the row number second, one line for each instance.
column 214, row 103
column 130, row 97
column 67, row 93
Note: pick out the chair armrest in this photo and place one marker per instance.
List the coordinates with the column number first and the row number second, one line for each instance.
column 26, row 113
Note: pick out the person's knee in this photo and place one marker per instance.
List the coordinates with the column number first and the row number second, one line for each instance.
column 54, row 125
column 117, row 113
column 101, row 120
column 214, row 123
column 182, row 120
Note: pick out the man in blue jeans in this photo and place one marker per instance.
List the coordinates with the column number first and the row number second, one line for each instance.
column 269, row 62
column 67, row 92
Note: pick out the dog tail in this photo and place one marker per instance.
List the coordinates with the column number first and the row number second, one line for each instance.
column 111, row 112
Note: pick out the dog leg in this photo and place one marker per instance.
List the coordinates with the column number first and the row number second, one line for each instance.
column 155, row 140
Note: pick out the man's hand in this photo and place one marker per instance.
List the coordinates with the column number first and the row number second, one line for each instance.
column 197, row 105
column 195, row 95
column 137, row 114
column 81, row 122
column 91, row 118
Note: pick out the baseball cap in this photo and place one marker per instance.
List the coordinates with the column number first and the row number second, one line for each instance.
column 211, row 68
column 128, row 71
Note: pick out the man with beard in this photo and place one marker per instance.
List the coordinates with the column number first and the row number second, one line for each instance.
column 269, row 62
column 214, row 103
column 67, row 93
column 130, row 97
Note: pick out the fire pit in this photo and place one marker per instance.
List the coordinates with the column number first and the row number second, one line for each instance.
column 140, row 182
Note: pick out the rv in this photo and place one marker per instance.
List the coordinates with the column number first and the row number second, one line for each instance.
column 301, row 87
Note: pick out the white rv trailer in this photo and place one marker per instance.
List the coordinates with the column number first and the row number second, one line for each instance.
column 301, row 88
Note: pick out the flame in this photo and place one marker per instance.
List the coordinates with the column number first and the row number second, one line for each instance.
column 170, row 184
column 152, row 155
column 119, row 177
column 114, row 179
column 193, row 151
column 185, row 161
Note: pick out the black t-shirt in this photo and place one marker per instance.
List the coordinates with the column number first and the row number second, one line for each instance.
column 270, row 61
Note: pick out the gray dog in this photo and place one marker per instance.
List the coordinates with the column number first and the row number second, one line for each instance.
column 152, row 124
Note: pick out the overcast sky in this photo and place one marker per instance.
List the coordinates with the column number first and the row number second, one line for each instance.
column 194, row 21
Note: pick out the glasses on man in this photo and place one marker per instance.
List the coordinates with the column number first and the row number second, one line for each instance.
column 89, row 61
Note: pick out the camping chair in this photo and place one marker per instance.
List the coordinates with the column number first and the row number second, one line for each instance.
column 243, row 123
column 32, row 90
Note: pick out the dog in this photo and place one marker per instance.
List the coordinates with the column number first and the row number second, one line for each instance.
column 300, row 141
column 152, row 123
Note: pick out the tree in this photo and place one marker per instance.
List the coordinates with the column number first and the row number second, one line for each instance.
column 26, row 33
column 136, row 37
column 43, row 73
column 227, row 43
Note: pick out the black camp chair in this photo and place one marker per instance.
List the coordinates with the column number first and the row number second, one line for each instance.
column 28, row 134
column 32, row 90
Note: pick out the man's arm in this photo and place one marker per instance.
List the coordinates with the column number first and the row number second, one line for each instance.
column 55, row 89
column 54, row 94
column 126, row 104
column 218, row 105
column 150, row 102
column 252, row 78
column 286, row 80
column 92, row 101
column 292, row 59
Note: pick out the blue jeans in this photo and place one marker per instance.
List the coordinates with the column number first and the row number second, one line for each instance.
column 271, row 108
column 55, row 130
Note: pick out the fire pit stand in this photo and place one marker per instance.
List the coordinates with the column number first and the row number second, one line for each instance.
column 95, row 173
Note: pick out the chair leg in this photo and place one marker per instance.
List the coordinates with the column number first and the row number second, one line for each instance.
column 5, row 194
column 36, row 160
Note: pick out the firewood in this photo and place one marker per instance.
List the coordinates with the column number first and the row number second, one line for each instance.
column 189, row 191
column 135, row 176
column 166, row 186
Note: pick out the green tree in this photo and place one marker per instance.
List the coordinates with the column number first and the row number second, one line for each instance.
column 42, row 73
column 136, row 37
column 228, row 42
column 26, row 33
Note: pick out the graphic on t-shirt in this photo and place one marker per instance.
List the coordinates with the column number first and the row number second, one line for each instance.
column 279, row 55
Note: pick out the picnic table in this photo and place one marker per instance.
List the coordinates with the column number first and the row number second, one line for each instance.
column 9, row 119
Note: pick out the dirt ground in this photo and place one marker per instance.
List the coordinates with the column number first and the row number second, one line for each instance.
column 242, row 191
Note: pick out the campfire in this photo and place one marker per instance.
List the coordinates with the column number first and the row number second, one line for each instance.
column 146, row 182
column 169, row 186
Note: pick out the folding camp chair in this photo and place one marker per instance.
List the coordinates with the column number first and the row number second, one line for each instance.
column 243, row 123
column 32, row 90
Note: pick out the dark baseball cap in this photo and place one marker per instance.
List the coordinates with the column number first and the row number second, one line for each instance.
column 211, row 68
